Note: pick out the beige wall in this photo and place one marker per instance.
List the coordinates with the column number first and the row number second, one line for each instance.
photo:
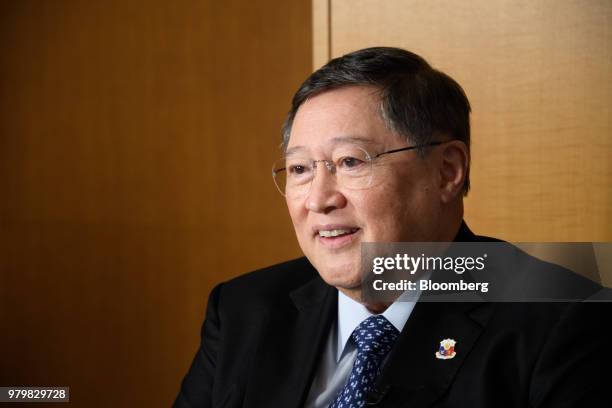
column 136, row 142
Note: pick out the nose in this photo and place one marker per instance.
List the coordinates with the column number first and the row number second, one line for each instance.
column 324, row 195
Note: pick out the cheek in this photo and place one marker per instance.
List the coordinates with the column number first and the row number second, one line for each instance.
column 376, row 209
column 297, row 215
column 396, row 211
column 293, row 213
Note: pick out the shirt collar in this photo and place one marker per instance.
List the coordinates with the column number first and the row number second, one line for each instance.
column 351, row 313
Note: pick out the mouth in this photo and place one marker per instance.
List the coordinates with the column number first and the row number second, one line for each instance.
column 336, row 236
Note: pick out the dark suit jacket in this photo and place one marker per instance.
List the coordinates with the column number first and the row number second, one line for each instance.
column 264, row 333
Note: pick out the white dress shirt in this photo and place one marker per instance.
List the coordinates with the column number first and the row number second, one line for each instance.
column 339, row 354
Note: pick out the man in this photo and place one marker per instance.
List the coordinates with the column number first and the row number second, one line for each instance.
column 377, row 150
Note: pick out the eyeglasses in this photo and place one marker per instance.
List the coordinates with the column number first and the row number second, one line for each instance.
column 351, row 164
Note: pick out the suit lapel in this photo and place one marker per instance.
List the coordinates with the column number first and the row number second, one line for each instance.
column 414, row 376
column 291, row 345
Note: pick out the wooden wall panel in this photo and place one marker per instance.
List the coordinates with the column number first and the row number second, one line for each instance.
column 321, row 32
column 136, row 142
column 538, row 74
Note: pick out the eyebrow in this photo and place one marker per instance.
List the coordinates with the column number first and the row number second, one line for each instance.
column 335, row 141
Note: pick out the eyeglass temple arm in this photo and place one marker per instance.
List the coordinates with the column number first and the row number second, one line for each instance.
column 275, row 171
column 409, row 148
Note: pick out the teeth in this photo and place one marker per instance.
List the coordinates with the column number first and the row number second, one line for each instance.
column 335, row 233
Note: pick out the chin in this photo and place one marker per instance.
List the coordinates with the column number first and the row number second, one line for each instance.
column 344, row 276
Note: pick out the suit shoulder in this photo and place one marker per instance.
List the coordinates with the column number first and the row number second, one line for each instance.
column 272, row 281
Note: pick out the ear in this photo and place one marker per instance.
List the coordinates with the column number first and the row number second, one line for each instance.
column 454, row 162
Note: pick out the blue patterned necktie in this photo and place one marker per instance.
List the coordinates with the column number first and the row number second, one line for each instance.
column 374, row 338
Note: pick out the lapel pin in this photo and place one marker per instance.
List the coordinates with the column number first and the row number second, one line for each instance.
column 446, row 350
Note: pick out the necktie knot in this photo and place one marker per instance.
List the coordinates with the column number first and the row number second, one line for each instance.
column 375, row 336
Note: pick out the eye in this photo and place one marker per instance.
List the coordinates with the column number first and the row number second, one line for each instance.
column 298, row 169
column 349, row 162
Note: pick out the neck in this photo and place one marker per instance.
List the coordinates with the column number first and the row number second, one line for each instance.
column 373, row 307
column 450, row 222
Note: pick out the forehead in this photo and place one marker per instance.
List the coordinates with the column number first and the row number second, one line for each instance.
column 346, row 115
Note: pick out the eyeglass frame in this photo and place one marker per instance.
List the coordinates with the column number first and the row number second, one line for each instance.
column 331, row 166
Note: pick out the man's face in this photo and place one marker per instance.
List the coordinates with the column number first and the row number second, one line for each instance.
column 401, row 203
